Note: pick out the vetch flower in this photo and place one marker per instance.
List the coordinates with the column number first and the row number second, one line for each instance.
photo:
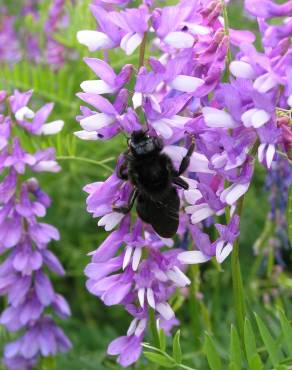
column 24, row 242
column 34, row 122
column 228, row 235
column 133, row 23
column 108, row 36
column 109, row 82
column 178, row 96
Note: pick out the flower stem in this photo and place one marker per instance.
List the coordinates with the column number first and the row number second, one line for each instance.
column 237, row 281
column 153, row 328
column 87, row 160
column 142, row 50
column 194, row 304
column 235, row 268
column 226, row 29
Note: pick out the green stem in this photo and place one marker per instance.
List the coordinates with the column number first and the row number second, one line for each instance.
column 256, row 266
column 86, row 160
column 259, row 248
column 237, row 283
column 153, row 328
column 194, row 307
column 186, row 367
column 226, row 29
column 142, row 50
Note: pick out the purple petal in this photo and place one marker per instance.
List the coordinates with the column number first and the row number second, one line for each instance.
column 118, row 345
column 98, row 102
column 102, row 70
column 44, row 289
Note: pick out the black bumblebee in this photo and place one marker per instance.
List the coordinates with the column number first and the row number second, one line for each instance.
column 153, row 176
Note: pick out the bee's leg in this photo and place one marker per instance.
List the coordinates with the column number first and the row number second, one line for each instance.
column 126, row 208
column 122, row 170
column 186, row 159
column 180, row 182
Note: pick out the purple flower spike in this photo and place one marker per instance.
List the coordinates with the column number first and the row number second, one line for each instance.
column 24, row 244
column 178, row 99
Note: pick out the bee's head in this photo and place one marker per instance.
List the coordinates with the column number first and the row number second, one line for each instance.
column 142, row 144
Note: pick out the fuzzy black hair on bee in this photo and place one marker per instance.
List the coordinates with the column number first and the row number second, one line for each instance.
column 154, row 181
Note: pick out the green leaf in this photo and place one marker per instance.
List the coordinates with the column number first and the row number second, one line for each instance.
column 153, row 328
column 255, row 362
column 48, row 363
column 162, row 339
column 233, row 366
column 287, row 360
column 176, row 352
column 253, row 359
column 235, row 349
column 272, row 348
column 159, row 359
column 287, row 331
column 213, row 357
column 42, row 80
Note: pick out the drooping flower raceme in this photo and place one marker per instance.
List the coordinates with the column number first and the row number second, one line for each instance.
column 24, row 239
column 177, row 94
column 9, row 45
column 20, row 41
column 278, row 183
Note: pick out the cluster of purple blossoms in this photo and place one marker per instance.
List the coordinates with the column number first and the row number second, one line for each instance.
column 17, row 43
column 176, row 94
column 24, row 240
column 278, row 183
column 55, row 51
column 9, row 44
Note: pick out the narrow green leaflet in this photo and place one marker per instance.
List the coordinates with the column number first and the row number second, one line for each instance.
column 42, row 80
column 159, row 359
column 162, row 340
column 235, row 350
column 253, row 359
column 213, row 357
column 272, row 348
column 176, row 353
column 287, row 331
column 255, row 362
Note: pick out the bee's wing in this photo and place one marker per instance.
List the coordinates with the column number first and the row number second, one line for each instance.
column 163, row 216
